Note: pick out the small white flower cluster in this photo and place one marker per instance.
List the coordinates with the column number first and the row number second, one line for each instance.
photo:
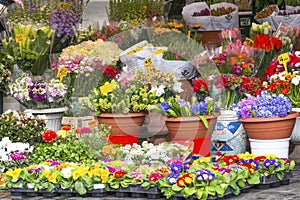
column 7, row 147
column 283, row 77
column 147, row 152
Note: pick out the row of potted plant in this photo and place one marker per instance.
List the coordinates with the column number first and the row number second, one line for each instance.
column 200, row 176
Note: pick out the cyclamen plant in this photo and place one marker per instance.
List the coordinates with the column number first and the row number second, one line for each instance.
column 264, row 105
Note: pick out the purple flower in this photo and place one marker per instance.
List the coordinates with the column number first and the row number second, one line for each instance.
column 224, row 170
column 176, row 168
column 205, row 175
column 54, row 163
column 17, row 156
column 172, row 178
column 267, row 163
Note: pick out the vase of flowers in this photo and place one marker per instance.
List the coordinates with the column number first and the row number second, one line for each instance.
column 266, row 117
column 191, row 121
column 41, row 98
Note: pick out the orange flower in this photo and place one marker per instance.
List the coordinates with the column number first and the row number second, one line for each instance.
column 2, row 179
column 66, row 128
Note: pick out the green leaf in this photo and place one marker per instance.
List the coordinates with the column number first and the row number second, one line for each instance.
column 145, row 184
column 220, row 190
column 204, row 120
column 176, row 188
column 199, row 193
column 79, row 187
column 188, row 191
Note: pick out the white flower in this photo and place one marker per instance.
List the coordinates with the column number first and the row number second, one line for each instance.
column 67, row 172
column 177, row 87
column 295, row 80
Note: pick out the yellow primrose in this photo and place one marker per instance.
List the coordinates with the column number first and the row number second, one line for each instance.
column 53, row 177
column 76, row 174
column 46, row 174
column 104, row 175
column 14, row 173
column 62, row 133
column 246, row 156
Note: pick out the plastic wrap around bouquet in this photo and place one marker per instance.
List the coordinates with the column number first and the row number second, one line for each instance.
column 143, row 55
column 266, row 15
column 216, row 17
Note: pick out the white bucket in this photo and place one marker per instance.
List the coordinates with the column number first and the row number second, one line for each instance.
column 279, row 147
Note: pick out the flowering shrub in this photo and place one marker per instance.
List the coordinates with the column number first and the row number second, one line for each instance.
column 38, row 94
column 264, row 105
column 21, row 127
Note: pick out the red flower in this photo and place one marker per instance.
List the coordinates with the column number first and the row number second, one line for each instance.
column 119, row 173
column 154, row 177
column 260, row 158
column 180, row 182
column 188, row 179
column 49, row 136
column 110, row 72
column 285, row 91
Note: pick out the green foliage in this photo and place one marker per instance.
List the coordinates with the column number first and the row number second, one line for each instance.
column 21, row 127
column 68, row 149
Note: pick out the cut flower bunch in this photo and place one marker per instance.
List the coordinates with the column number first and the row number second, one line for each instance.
column 283, row 80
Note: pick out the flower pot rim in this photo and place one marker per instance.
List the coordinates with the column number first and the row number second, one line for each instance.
column 120, row 115
column 291, row 115
column 46, row 110
column 192, row 118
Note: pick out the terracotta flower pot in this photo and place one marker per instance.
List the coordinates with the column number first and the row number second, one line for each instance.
column 126, row 128
column 270, row 127
column 190, row 127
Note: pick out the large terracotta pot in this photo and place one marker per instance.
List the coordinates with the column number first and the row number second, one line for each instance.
column 191, row 131
column 126, row 128
column 190, row 127
column 270, row 127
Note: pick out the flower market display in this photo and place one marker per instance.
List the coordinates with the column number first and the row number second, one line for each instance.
column 157, row 99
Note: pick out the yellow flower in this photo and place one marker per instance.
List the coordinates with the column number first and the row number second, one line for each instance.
column 176, row 30
column 14, row 173
column 76, row 174
column 62, row 133
column 53, row 177
column 246, row 156
column 104, row 175
column 46, row 174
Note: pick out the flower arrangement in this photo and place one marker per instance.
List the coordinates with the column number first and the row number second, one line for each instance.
column 21, row 127
column 266, row 12
column 37, row 93
column 87, row 58
column 264, row 105
column 232, row 88
column 284, row 79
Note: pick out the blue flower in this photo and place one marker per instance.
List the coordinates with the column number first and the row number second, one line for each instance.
column 172, row 178
column 205, row 175
column 176, row 168
column 267, row 163
column 165, row 107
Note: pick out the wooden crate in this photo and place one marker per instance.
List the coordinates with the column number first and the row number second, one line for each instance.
column 77, row 122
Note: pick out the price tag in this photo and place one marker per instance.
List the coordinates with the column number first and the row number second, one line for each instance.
column 284, row 59
column 62, row 73
column 249, row 42
column 64, row 5
column 20, row 38
column 106, row 88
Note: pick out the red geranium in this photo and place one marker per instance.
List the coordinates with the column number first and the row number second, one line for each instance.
column 49, row 136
